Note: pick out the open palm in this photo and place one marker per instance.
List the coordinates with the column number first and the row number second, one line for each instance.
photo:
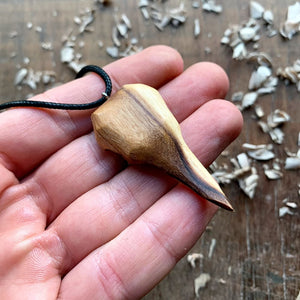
column 75, row 221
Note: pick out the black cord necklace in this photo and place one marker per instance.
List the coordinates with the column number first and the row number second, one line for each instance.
column 55, row 105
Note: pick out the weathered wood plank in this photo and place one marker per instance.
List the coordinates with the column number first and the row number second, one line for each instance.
column 257, row 253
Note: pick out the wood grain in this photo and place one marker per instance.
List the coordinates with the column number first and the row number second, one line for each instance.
column 257, row 257
column 137, row 124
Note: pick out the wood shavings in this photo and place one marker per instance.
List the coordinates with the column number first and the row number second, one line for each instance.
column 237, row 36
column 291, row 74
column 256, row 10
column 260, row 152
column 31, row 78
column 292, row 163
column 245, row 174
column 201, row 282
column 67, row 54
column 29, row 25
column 196, row 4
column 211, row 6
column 197, row 29
column 76, row 66
column 85, row 20
column 275, row 119
column 288, row 208
column 268, row 17
column 247, row 33
column 237, row 96
column 13, row 34
column 20, row 75
column 38, row 29
column 291, row 26
column 247, row 182
column 261, row 82
column 212, row 248
column 13, row 54
column 239, row 51
column 249, row 99
column 298, row 297
column 160, row 17
column 47, row 46
column 259, row 77
column 284, row 211
column 274, row 173
column 193, row 258
column 143, row 3
column 55, row 13
column 261, row 58
column 291, row 204
column 207, row 50
column 123, row 45
column 259, row 111
column 100, row 44
column 112, row 52
column 26, row 60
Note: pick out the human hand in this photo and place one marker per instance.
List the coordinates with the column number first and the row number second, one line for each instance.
column 75, row 221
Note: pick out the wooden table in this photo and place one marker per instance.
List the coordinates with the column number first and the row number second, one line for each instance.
column 257, row 256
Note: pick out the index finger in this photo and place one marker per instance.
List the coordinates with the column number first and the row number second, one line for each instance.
column 25, row 132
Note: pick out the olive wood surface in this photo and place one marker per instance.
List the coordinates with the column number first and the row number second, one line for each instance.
column 256, row 255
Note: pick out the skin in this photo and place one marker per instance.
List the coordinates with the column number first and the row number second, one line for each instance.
column 75, row 221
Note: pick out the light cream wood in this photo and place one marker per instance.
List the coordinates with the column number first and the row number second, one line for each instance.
column 136, row 123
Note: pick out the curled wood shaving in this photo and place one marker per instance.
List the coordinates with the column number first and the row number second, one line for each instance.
column 256, row 10
column 197, row 29
column 196, row 4
column 211, row 6
column 261, row 58
column 261, row 154
column 259, row 77
column 268, row 17
column 200, row 282
column 193, row 258
column 284, row 211
column 68, row 55
column 275, row 119
column 291, row 26
column 20, row 76
column 123, row 45
column 243, row 173
column 291, row 74
column 259, row 111
column 288, row 208
column 47, row 46
column 212, row 247
column 13, row 34
column 29, row 77
column 238, row 36
column 86, row 18
column 161, row 17
column 273, row 173
column 292, row 163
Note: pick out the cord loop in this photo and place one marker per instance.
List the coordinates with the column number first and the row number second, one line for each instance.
column 69, row 106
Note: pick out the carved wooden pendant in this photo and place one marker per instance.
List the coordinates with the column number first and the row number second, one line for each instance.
column 136, row 123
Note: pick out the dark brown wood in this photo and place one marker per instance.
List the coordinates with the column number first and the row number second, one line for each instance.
column 257, row 257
